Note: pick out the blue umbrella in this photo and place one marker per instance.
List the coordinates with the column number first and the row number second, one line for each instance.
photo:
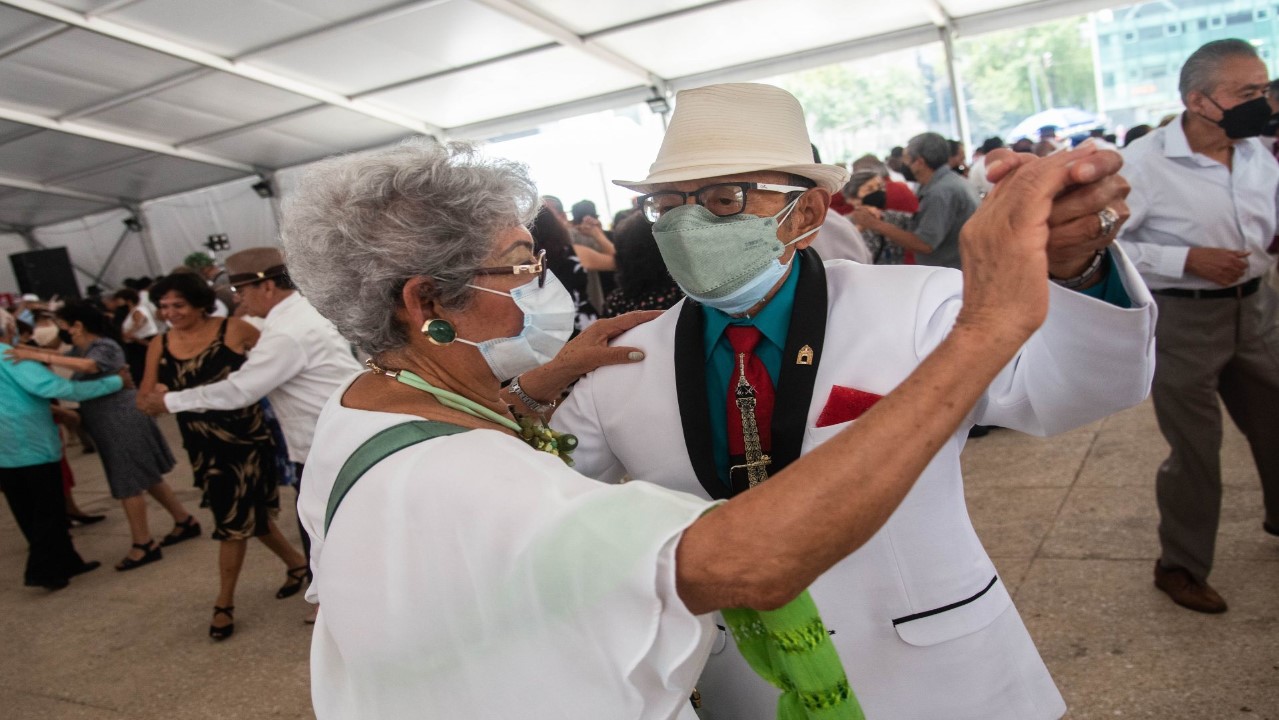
column 1068, row 121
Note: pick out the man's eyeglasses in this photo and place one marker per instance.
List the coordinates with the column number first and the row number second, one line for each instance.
column 237, row 289
column 722, row 199
column 538, row 268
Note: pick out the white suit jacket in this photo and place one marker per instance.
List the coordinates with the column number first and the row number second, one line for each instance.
column 925, row 628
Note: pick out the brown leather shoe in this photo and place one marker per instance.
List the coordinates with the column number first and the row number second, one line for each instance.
column 1187, row 591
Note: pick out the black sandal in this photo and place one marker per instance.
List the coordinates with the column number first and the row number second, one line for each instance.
column 291, row 587
column 224, row 632
column 152, row 551
column 184, row 530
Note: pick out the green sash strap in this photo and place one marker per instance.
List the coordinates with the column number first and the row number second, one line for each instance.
column 378, row 448
column 788, row 647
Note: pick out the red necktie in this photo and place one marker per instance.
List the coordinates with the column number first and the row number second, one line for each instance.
column 744, row 338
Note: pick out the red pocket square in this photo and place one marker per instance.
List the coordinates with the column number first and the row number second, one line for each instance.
column 845, row 404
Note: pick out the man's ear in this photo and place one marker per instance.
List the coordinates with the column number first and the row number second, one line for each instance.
column 809, row 213
column 1199, row 104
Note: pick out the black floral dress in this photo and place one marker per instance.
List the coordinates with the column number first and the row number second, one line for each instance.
column 231, row 451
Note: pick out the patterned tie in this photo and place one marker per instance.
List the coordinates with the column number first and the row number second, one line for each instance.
column 757, row 388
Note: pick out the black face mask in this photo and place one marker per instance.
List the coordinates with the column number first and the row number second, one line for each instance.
column 1245, row 120
column 64, row 336
column 877, row 199
column 908, row 173
column 1272, row 126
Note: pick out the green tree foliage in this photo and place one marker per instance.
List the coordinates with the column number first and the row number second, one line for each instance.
column 839, row 97
column 1002, row 71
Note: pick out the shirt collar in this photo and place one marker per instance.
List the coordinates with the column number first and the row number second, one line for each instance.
column 282, row 306
column 773, row 320
column 1177, row 145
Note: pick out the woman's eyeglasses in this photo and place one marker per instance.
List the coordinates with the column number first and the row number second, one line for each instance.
column 537, row 268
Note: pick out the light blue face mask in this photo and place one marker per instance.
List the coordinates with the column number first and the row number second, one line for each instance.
column 548, row 323
column 728, row 263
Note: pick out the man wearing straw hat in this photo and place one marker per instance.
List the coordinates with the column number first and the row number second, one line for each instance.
column 775, row 351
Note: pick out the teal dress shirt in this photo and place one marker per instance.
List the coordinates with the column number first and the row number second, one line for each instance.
column 26, row 423
column 721, row 364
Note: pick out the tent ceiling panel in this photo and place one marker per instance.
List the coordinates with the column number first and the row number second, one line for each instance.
column 537, row 80
column 17, row 27
column 425, row 41
column 87, row 57
column 210, row 104
column 232, row 27
column 305, row 137
column 23, row 207
column 589, row 16
column 48, row 155
column 86, row 6
column 10, row 131
column 152, row 177
column 742, row 32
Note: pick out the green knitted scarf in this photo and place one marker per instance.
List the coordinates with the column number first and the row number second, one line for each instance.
column 790, row 648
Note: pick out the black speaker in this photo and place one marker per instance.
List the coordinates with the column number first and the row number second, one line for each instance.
column 46, row 273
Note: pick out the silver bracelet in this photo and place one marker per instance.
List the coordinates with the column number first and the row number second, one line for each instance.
column 530, row 403
column 1088, row 274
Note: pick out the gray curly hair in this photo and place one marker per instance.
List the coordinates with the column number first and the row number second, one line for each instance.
column 360, row 226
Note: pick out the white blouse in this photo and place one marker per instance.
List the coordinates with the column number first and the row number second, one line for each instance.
column 144, row 330
column 470, row 576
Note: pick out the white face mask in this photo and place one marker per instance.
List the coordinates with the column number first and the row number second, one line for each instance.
column 548, row 323
column 45, row 335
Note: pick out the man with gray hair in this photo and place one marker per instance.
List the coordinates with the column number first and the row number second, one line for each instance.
column 946, row 201
column 1203, row 214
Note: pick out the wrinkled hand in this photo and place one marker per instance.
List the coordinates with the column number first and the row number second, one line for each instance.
column 152, row 403
column 591, row 349
column 864, row 216
column 1074, row 225
column 1005, row 243
column 591, row 223
column 1224, row 267
column 18, row 353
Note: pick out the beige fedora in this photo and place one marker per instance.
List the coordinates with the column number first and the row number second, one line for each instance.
column 736, row 128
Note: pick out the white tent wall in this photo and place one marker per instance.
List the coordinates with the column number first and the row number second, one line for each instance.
column 10, row 243
column 89, row 241
column 181, row 224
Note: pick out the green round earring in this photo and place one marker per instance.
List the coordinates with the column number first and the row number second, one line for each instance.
column 439, row 332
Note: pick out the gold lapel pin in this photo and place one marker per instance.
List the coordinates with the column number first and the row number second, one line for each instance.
column 805, row 356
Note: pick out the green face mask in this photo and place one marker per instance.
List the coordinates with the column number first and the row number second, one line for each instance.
column 729, row 263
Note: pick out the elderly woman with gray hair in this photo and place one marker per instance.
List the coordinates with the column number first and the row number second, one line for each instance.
column 464, row 567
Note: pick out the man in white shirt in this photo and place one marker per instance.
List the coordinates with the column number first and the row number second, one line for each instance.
column 1203, row 215
column 298, row 361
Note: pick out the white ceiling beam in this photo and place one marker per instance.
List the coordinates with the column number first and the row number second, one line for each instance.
column 566, row 37
column 653, row 19
column 18, row 184
column 494, row 127
column 178, row 50
column 118, row 138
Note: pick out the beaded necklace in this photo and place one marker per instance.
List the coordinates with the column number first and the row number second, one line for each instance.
column 530, row 430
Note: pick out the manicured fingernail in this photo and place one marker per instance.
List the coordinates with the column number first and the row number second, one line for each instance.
column 1086, row 172
column 636, row 355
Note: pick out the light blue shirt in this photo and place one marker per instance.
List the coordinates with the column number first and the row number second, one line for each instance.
column 1182, row 199
column 28, row 435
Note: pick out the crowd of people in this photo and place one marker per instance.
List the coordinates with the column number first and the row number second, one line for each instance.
column 1037, row 287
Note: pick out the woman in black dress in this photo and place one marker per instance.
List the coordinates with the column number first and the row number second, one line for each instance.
column 551, row 235
column 231, row 452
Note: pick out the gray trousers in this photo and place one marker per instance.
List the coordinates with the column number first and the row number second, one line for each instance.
column 1205, row 348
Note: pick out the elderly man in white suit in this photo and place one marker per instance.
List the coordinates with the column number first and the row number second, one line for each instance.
column 924, row 625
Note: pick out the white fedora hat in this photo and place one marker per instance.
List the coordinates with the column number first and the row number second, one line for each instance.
column 736, row 128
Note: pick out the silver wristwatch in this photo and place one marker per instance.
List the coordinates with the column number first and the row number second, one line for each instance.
column 530, row 403
column 1094, row 267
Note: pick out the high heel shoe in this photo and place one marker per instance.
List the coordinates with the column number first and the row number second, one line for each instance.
column 296, row 575
column 224, row 632
column 75, row 520
column 151, row 552
column 184, row 530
